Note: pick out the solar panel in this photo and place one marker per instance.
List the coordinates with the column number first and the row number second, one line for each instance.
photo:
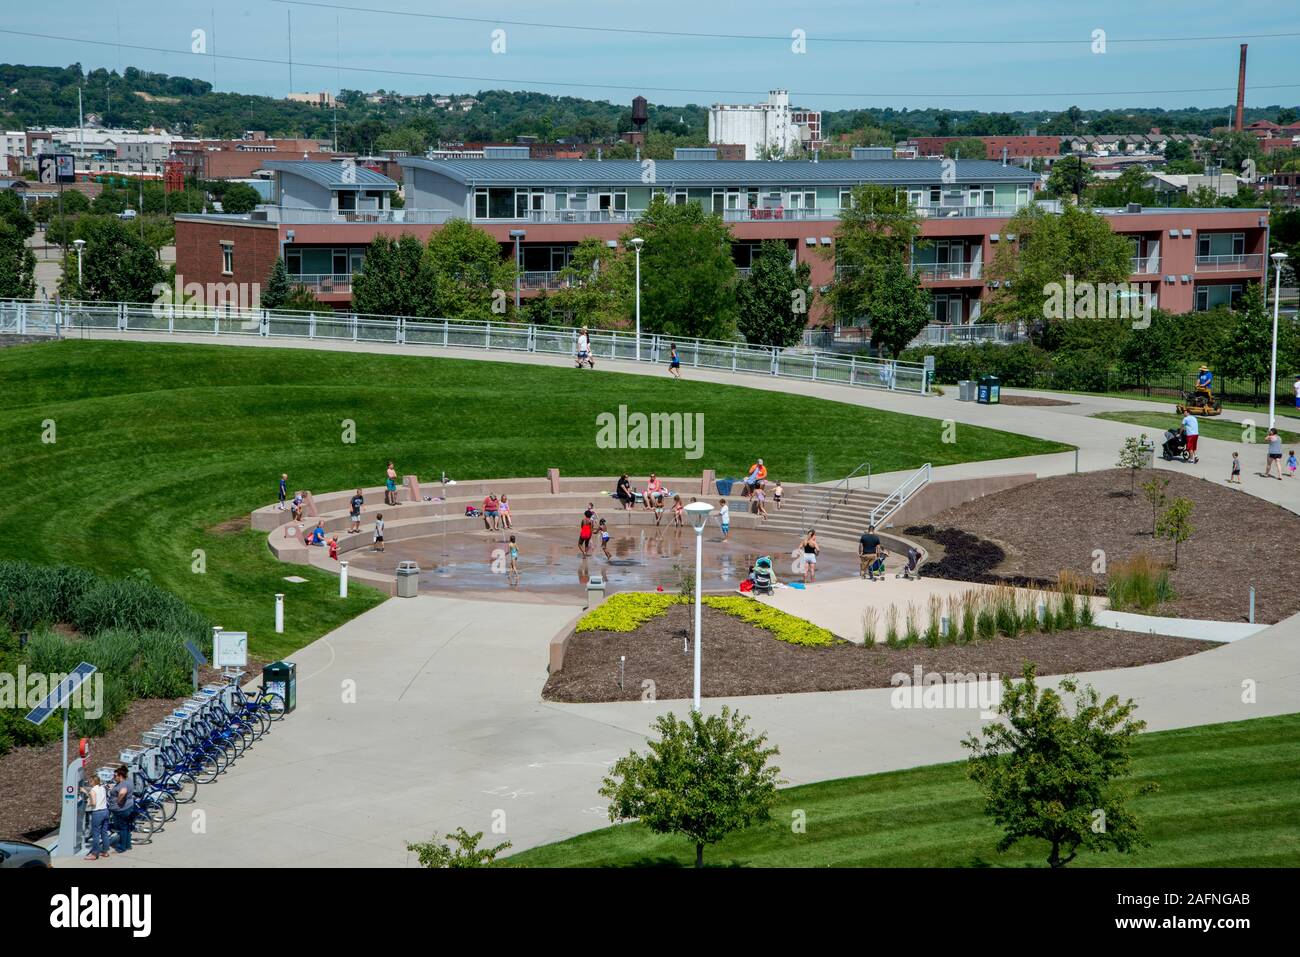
column 199, row 657
column 59, row 696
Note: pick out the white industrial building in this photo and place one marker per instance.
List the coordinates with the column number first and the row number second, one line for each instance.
column 772, row 126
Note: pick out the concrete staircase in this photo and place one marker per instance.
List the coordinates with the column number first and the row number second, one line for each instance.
column 806, row 506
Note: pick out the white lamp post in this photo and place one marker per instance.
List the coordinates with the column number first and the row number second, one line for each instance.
column 1278, row 260
column 517, row 235
column 80, row 244
column 442, row 568
column 699, row 513
column 637, row 242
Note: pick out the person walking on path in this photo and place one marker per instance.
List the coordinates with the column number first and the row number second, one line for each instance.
column 97, row 803
column 724, row 518
column 584, row 349
column 809, row 548
column 1297, row 391
column 354, row 511
column 675, row 365
column 1192, row 429
column 1274, row 459
column 121, row 807
column 1235, row 477
column 390, row 486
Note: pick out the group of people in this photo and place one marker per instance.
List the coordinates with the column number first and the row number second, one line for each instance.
column 113, row 805
column 496, row 512
column 585, row 356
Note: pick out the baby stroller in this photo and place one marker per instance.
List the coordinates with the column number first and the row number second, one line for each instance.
column 913, row 567
column 1175, row 446
column 762, row 576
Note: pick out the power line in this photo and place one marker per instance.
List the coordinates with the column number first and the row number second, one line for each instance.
column 686, row 34
column 879, row 95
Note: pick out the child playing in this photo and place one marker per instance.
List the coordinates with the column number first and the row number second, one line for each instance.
column 759, row 508
column 678, row 511
column 1291, row 463
column 512, row 571
column 334, row 547
column 724, row 518
column 503, row 510
column 379, row 532
column 1235, row 477
column 777, row 492
column 284, row 489
column 295, row 510
column 659, row 510
column 604, row 540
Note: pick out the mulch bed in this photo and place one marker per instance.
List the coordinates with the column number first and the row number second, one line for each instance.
column 33, row 779
column 1034, row 531
column 1031, row 400
column 740, row 659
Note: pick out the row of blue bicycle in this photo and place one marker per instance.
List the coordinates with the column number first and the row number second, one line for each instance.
column 195, row 745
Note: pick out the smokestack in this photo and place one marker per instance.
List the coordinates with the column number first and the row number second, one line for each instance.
column 1241, row 91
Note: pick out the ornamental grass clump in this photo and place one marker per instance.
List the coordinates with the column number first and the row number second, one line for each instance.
column 911, row 634
column 1139, row 582
column 870, row 626
column 891, row 627
column 935, row 611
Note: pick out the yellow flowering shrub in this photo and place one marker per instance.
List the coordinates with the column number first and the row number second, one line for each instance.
column 783, row 626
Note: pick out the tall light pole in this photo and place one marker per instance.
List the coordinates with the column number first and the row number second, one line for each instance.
column 636, row 244
column 699, row 513
column 517, row 235
column 80, row 244
column 1278, row 260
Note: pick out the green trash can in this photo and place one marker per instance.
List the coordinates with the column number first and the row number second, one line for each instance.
column 282, row 678
column 989, row 391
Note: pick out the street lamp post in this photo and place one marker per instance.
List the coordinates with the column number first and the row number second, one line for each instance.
column 636, row 244
column 1278, row 260
column 80, row 244
column 517, row 235
column 442, row 566
column 699, row 513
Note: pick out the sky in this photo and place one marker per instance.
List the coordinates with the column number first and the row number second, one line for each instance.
column 1110, row 57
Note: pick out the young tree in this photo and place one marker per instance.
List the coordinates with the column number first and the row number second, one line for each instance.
column 1154, row 490
column 900, row 308
column 465, row 853
column 13, row 213
column 704, row 778
column 970, row 147
column 239, row 198
column 1052, row 775
column 17, row 264
column 595, row 287
column 277, row 287
column 1070, row 176
column 772, row 301
column 1176, row 524
column 687, row 273
column 1133, row 455
column 302, row 299
column 471, row 279
column 117, row 265
column 1246, row 351
column 879, row 228
column 1151, row 351
column 396, row 279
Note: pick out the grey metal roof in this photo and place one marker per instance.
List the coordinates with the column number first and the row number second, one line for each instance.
column 892, row 172
column 330, row 175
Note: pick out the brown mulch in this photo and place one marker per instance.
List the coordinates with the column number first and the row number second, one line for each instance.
column 1056, row 523
column 740, row 659
column 1031, row 400
column 239, row 523
column 32, row 776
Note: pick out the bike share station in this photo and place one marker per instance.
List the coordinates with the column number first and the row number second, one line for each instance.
column 191, row 746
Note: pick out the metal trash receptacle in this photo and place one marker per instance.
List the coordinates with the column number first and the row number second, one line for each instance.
column 990, row 389
column 965, row 390
column 408, row 579
column 281, row 677
column 595, row 591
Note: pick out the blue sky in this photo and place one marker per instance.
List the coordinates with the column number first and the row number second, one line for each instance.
column 830, row 75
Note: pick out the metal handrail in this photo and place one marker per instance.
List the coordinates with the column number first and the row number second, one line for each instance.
column 895, row 499
column 830, row 493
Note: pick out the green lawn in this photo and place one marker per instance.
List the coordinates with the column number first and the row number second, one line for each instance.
column 160, row 445
column 1284, row 404
column 1225, row 427
column 1226, row 799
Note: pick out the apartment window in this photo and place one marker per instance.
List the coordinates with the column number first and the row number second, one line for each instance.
column 916, row 197
column 846, row 197
column 529, row 200
column 293, row 262
column 1022, row 195
column 1221, row 244
column 680, row 198
column 936, row 195
column 227, row 257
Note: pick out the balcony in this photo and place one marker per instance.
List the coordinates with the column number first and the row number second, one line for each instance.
column 940, row 272
column 1144, row 265
column 966, row 212
column 1250, row 262
column 782, row 213
column 591, row 216
column 324, row 284
column 542, row 279
column 294, row 216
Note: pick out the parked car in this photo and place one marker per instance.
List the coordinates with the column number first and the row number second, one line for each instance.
column 126, row 214
column 22, row 854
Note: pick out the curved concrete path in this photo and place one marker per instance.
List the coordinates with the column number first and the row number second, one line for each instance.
column 447, row 728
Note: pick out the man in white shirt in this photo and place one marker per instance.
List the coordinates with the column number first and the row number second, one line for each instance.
column 1297, row 392
column 1193, row 429
column 584, row 349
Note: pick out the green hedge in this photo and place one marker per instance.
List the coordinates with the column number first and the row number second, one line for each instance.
column 1017, row 364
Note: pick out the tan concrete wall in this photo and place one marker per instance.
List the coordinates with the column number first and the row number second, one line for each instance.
column 939, row 496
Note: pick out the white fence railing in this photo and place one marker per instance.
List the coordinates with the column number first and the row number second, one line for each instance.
column 60, row 319
column 899, row 496
column 945, row 334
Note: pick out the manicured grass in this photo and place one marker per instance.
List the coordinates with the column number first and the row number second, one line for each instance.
column 1284, row 404
column 1227, row 428
column 1226, row 799
column 162, row 449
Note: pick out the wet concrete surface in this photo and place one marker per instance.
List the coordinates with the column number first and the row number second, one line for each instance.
column 640, row 559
